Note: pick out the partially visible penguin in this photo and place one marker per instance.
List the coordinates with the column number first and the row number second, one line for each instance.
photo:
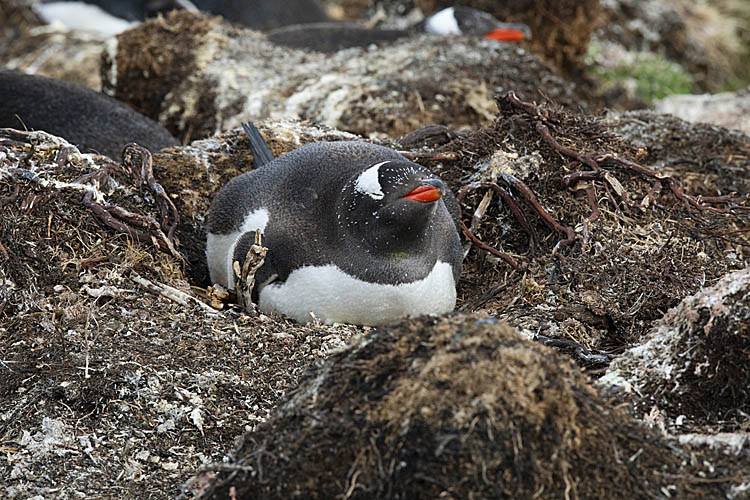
column 265, row 14
column 90, row 120
column 332, row 36
column 355, row 234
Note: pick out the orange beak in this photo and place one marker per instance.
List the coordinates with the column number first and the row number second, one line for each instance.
column 425, row 194
column 506, row 35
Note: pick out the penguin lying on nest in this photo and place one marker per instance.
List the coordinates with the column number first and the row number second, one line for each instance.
column 331, row 36
column 355, row 234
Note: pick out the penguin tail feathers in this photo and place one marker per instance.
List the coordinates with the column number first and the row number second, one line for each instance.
column 258, row 146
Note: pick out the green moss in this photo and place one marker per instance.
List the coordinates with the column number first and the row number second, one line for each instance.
column 650, row 76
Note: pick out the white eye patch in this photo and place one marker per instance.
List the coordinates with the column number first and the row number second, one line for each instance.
column 443, row 23
column 368, row 182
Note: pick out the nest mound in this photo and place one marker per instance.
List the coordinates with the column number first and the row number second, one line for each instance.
column 107, row 360
column 694, row 362
column 197, row 76
column 707, row 157
column 457, row 407
column 618, row 186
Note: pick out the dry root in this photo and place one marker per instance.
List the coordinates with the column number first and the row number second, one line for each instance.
column 245, row 276
column 597, row 167
column 137, row 160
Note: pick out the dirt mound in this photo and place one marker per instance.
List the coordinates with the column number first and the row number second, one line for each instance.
column 709, row 158
column 114, row 379
column 457, row 407
column 693, row 365
column 197, row 77
column 638, row 244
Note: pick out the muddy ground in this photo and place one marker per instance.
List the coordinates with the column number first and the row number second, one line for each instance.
column 599, row 350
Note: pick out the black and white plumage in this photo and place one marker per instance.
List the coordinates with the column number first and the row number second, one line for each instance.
column 330, row 36
column 348, row 238
column 468, row 21
column 90, row 120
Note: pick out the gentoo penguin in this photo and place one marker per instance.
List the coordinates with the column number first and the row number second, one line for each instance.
column 265, row 14
column 355, row 234
column 468, row 21
column 90, row 120
column 332, row 36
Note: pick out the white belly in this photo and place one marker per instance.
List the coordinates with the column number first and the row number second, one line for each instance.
column 335, row 297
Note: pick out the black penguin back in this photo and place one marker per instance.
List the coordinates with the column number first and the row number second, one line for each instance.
column 265, row 14
column 90, row 120
column 301, row 193
column 294, row 180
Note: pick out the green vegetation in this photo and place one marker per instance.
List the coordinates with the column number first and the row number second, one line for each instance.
column 648, row 75
column 739, row 10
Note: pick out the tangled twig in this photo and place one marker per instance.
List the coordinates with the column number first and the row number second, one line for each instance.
column 597, row 159
column 538, row 119
column 245, row 275
column 139, row 160
column 472, row 237
column 527, row 194
column 140, row 227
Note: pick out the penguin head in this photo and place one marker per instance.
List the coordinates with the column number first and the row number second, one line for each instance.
column 469, row 21
column 390, row 205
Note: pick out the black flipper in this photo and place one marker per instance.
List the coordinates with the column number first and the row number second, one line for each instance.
column 261, row 152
